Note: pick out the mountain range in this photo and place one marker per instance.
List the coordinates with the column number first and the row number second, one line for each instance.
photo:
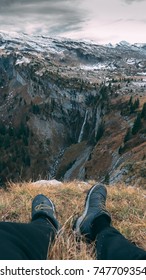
column 68, row 110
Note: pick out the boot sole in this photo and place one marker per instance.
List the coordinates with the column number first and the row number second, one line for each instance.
column 82, row 217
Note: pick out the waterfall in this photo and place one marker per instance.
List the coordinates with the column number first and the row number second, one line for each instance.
column 82, row 128
column 98, row 119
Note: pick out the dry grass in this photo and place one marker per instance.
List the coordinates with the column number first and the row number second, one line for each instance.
column 126, row 204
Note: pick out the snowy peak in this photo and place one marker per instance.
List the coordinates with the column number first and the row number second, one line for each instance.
column 85, row 55
column 42, row 43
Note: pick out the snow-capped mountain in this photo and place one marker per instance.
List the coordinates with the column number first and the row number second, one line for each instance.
column 58, row 97
column 67, row 52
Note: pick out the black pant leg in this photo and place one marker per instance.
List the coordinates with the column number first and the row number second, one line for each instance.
column 112, row 245
column 19, row 241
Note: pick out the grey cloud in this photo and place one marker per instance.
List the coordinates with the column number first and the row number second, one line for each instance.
column 52, row 15
column 132, row 1
column 36, row 7
column 94, row 19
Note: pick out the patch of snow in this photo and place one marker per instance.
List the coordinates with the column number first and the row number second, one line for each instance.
column 141, row 73
column 40, row 72
column 139, row 84
column 140, row 65
column 139, row 45
column 3, row 47
column 130, row 61
column 23, row 60
column 10, row 95
column 98, row 66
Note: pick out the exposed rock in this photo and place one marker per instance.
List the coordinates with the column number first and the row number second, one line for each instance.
column 47, row 183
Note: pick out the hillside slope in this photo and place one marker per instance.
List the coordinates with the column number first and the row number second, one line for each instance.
column 127, row 205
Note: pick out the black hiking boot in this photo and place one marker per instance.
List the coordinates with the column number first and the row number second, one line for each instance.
column 43, row 207
column 94, row 208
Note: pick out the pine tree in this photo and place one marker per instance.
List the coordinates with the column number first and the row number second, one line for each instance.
column 2, row 129
column 35, row 109
column 104, row 92
column 100, row 132
column 121, row 150
column 6, row 143
column 137, row 124
column 136, row 104
column 130, row 100
column 143, row 113
column 132, row 108
column 127, row 135
column 107, row 179
column 133, row 105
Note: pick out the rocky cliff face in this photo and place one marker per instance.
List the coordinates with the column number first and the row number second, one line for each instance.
column 60, row 107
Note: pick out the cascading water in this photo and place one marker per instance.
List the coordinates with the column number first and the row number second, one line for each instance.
column 82, row 128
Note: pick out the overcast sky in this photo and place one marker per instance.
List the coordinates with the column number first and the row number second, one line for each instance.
column 103, row 21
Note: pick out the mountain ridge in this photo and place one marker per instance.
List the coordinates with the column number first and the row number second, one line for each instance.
column 18, row 35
